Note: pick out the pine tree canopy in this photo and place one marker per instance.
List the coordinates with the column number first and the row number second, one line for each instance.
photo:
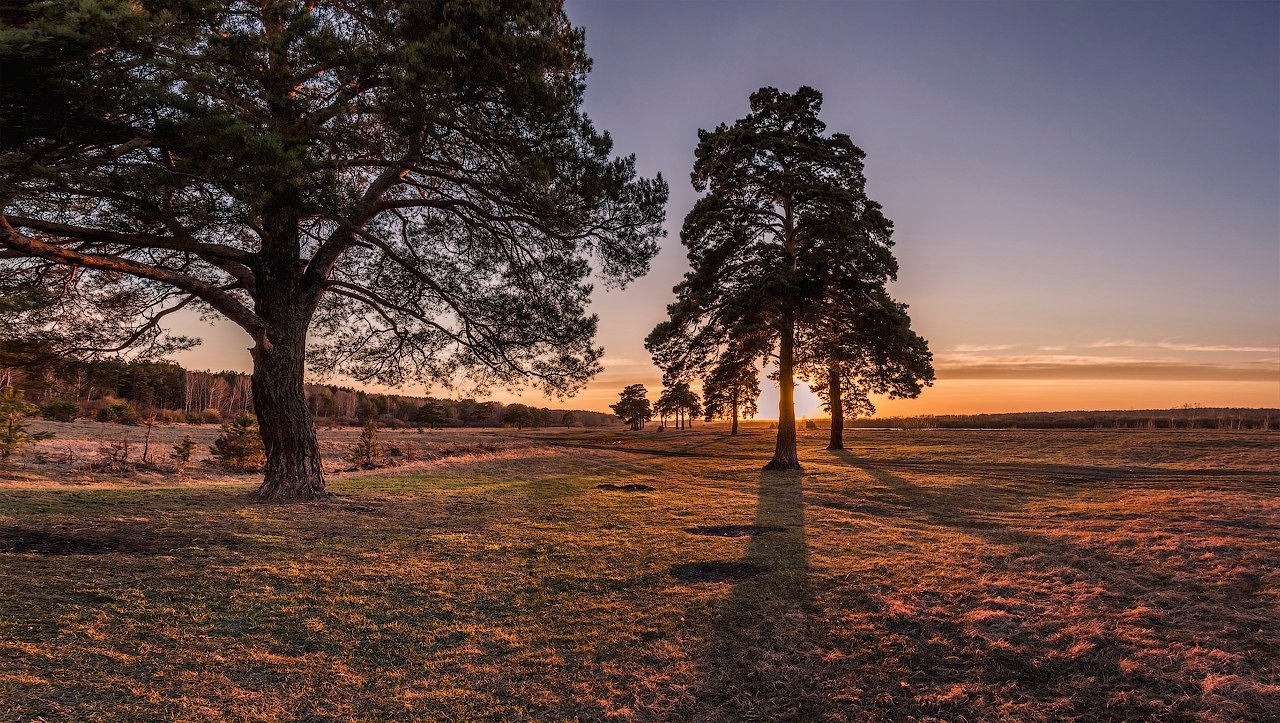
column 416, row 174
column 789, row 260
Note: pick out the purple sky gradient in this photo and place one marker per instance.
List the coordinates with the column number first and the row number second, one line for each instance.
column 1086, row 195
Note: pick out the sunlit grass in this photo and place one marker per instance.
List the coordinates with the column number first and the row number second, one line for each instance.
column 1014, row 575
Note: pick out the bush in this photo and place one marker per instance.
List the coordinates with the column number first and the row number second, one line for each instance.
column 182, row 452
column 60, row 410
column 211, row 416
column 367, row 453
column 13, row 423
column 118, row 412
column 810, row 424
column 239, row 447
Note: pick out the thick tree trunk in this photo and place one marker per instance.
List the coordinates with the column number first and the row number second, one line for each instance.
column 293, row 470
column 784, row 454
column 837, row 409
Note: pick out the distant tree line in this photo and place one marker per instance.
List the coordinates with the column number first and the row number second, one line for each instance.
column 119, row 390
column 1183, row 418
column 1187, row 417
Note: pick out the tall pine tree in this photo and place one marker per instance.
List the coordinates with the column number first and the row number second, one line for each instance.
column 782, row 236
column 412, row 183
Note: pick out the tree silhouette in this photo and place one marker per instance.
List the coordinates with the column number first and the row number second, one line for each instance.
column 483, row 412
column 412, row 183
column 782, row 234
column 633, row 406
column 730, row 391
column 431, row 414
column 517, row 415
column 863, row 349
column 678, row 399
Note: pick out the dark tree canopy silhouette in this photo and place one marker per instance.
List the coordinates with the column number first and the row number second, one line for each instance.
column 730, row 391
column 678, row 398
column 633, row 406
column 786, row 250
column 863, row 349
column 412, row 183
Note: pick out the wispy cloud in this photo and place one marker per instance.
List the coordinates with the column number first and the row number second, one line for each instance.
column 965, row 348
column 1173, row 345
column 613, row 361
column 1052, row 348
column 1067, row 366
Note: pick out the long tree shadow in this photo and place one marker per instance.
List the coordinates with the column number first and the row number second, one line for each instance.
column 1140, row 613
column 764, row 658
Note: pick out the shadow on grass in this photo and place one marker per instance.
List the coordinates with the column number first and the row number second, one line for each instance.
column 1088, row 631
column 764, row 658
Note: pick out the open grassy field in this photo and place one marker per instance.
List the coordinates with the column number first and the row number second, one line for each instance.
column 932, row 575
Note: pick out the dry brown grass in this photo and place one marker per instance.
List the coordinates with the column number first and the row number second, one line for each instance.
column 924, row 575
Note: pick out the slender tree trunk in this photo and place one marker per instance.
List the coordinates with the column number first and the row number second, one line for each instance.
column 784, row 454
column 837, row 408
column 734, row 428
column 293, row 470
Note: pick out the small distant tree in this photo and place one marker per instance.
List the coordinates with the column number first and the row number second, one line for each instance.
column 13, row 415
column 517, row 415
column 567, row 419
column 730, row 392
column 240, row 444
column 667, row 406
column 466, row 410
column 633, row 406
column 430, row 414
column 483, row 412
column 680, row 400
column 60, row 410
column 149, row 421
column 183, row 450
column 367, row 453
column 690, row 403
column 663, row 408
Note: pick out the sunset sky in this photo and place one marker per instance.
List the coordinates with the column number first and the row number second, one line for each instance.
column 1086, row 195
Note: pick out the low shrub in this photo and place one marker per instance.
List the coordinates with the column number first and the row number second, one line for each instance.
column 239, row 447
column 60, row 410
column 118, row 412
column 367, row 453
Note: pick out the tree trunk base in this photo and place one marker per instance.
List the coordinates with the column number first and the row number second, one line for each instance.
column 834, row 446
column 782, row 464
column 291, row 490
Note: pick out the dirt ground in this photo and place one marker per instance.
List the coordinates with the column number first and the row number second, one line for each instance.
column 927, row 575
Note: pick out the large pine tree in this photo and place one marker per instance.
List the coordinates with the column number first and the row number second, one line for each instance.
column 411, row 182
column 785, row 248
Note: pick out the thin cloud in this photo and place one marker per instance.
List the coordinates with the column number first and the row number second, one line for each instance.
column 966, row 348
column 1171, row 345
column 1065, row 366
